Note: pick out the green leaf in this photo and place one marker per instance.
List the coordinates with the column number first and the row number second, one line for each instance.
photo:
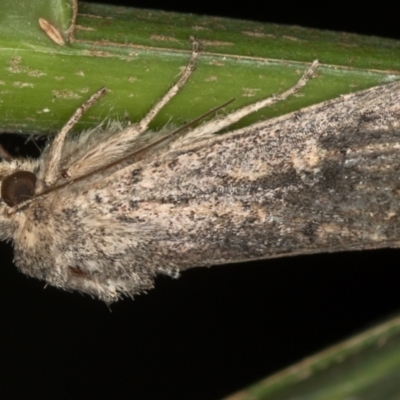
column 138, row 54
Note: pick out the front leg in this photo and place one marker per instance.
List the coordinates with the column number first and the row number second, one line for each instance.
column 52, row 172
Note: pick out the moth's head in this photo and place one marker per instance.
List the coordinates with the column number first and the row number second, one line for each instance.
column 18, row 187
column 17, row 184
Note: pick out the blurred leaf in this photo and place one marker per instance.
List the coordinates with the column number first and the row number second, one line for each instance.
column 365, row 367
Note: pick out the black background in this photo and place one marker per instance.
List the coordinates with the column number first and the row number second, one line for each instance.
column 213, row 331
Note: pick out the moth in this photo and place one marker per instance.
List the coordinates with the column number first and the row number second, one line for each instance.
column 106, row 212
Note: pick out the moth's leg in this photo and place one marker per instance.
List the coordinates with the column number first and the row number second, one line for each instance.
column 143, row 125
column 215, row 125
column 121, row 143
column 51, row 172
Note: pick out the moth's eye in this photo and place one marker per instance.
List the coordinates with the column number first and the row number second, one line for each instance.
column 18, row 187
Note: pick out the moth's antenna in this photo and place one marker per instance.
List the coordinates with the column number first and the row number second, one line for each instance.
column 176, row 132
column 138, row 154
